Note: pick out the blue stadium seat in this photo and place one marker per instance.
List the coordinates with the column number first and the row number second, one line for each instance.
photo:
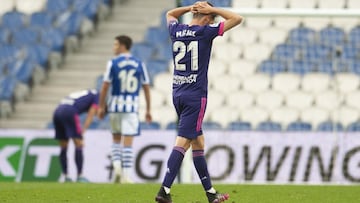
column 239, row 126
column 22, row 70
column 210, row 125
column 172, row 126
column 156, row 66
column 39, row 53
column 315, row 52
column 70, row 22
column 329, row 126
column 299, row 126
column 350, row 51
column 269, row 126
column 27, row 36
column 149, row 126
column 99, row 82
column 143, row 51
column 302, row 67
column 7, row 88
column 164, row 51
column 354, row 66
column 286, row 52
column 13, row 20
column 354, row 35
column 329, row 68
column 353, row 127
column 87, row 7
column 49, row 125
column 9, row 53
column 302, row 35
column 4, row 35
column 332, row 36
column 54, row 38
column 272, row 67
column 57, row 7
column 41, row 20
column 156, row 35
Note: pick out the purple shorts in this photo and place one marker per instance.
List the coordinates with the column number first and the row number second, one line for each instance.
column 191, row 111
column 67, row 123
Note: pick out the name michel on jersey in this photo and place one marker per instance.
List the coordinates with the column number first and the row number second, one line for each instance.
column 185, row 33
column 179, row 79
column 124, row 63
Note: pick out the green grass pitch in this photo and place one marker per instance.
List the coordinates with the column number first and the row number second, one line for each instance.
column 181, row 193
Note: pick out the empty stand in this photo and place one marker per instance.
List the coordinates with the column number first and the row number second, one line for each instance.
column 254, row 115
column 291, row 80
column 299, row 100
column 284, row 116
column 314, row 115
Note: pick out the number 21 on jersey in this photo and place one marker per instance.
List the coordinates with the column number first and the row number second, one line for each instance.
column 182, row 49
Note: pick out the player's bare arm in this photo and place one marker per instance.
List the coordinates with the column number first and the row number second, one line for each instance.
column 148, row 117
column 89, row 118
column 175, row 13
column 231, row 19
column 102, row 97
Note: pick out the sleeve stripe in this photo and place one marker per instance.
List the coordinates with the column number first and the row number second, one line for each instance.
column 146, row 75
column 221, row 29
column 107, row 72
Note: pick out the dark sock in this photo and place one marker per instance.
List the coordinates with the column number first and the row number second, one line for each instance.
column 63, row 160
column 79, row 160
column 173, row 165
column 201, row 168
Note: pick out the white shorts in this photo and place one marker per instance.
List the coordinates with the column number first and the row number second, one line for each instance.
column 125, row 123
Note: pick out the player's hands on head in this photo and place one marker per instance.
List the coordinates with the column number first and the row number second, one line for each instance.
column 202, row 7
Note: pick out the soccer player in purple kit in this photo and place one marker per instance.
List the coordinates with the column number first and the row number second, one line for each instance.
column 67, row 126
column 191, row 45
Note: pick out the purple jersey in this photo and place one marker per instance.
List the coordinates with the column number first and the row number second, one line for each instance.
column 82, row 101
column 191, row 47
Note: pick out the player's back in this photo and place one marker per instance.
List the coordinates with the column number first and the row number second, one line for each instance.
column 191, row 52
column 81, row 100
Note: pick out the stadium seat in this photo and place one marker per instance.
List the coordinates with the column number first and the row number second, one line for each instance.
column 328, row 100
column 26, row 36
column 4, row 35
column 345, row 23
column 272, row 36
column 41, row 20
column 329, row 67
column 22, row 70
column 163, row 82
column 353, row 4
column 353, row 127
column 210, row 125
column 345, row 115
column 354, row 35
column 332, row 4
column 299, row 126
column 272, row 67
column 287, row 23
column 217, row 67
column 226, row 84
column 302, row 35
column 156, row 66
column 39, row 53
column 216, row 99
column 157, row 35
column 57, row 7
column 315, row 82
column 256, row 83
column 315, row 52
column 258, row 23
column 164, row 115
column 70, row 23
column 241, row 68
column 29, row 7
column 227, row 51
column 286, row 82
column 269, row 100
column 316, row 23
column 352, row 99
column 269, row 126
column 254, row 115
column 158, row 99
column 302, row 67
column 7, row 88
column 347, row 82
column 6, row 6
column 299, row 100
column 239, row 126
column 13, row 20
column 53, row 38
column 244, row 36
column 9, row 53
column 143, row 51
column 149, row 126
column 286, row 52
column 314, row 115
column 350, row 51
column 273, row 4
column 240, row 100
column 87, row 7
column 284, row 116
column 329, row 126
column 163, row 51
column 172, row 125
column 332, row 36
column 257, row 52
column 224, row 115
column 302, row 4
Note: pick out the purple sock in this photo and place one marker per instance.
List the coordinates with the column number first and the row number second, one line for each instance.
column 173, row 165
column 201, row 168
column 63, row 160
column 79, row 159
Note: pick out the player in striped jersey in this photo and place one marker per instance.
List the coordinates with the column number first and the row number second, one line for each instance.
column 191, row 45
column 126, row 74
column 67, row 126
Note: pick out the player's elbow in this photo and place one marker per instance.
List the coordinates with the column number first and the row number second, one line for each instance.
column 238, row 19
